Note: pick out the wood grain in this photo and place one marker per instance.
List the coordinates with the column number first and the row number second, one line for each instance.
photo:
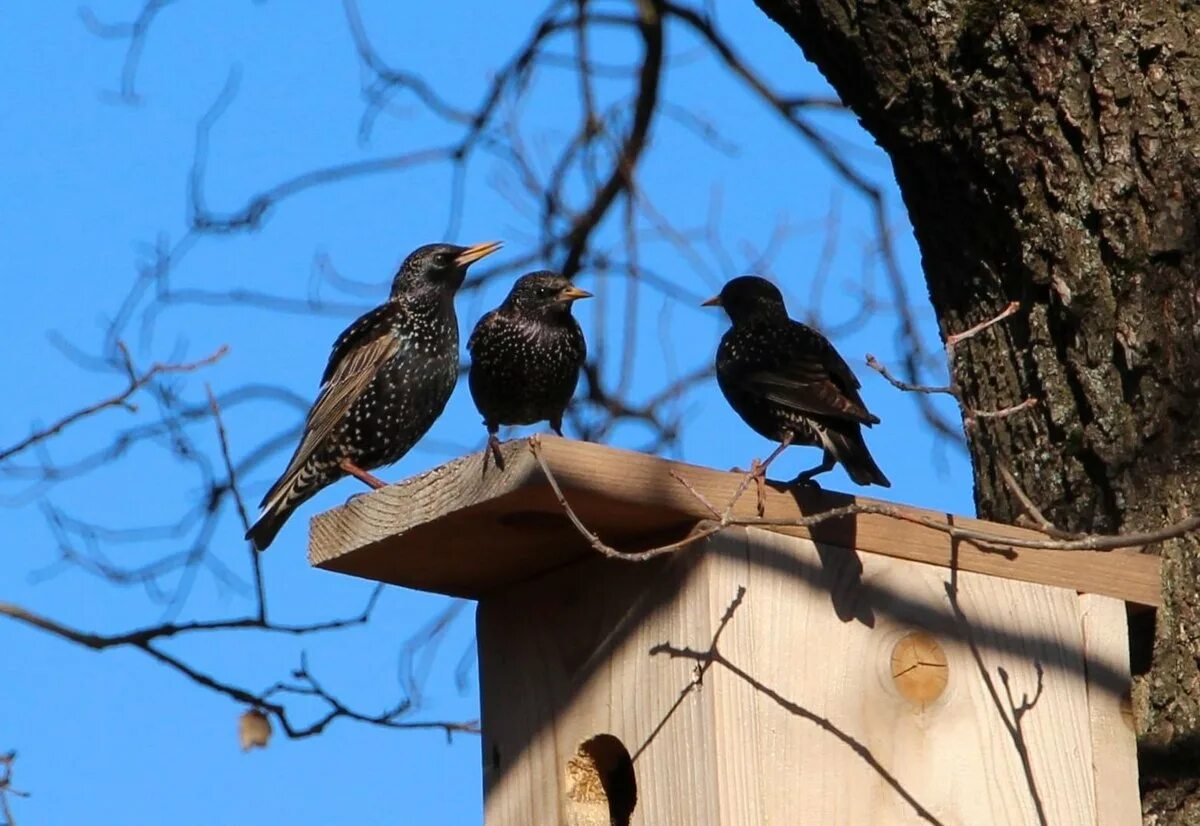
column 461, row 531
column 1114, row 750
column 799, row 722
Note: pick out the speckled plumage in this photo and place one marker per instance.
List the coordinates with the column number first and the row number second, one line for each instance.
column 785, row 378
column 389, row 377
column 526, row 354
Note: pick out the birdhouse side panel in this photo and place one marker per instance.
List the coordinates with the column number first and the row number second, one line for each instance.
column 568, row 658
column 761, row 678
column 999, row 732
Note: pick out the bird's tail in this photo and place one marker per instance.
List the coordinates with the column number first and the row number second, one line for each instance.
column 849, row 448
column 293, row 489
column 262, row 532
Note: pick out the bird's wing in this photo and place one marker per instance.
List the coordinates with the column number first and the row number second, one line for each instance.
column 356, row 358
column 812, row 378
column 354, row 372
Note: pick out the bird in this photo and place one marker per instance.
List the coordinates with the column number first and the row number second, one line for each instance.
column 526, row 355
column 788, row 383
column 388, row 379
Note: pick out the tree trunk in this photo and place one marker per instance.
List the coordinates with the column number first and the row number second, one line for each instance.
column 1048, row 153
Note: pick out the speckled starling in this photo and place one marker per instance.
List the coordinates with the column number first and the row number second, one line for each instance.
column 389, row 377
column 787, row 381
column 526, row 355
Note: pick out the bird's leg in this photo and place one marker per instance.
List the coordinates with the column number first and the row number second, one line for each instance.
column 806, row 477
column 361, row 475
column 758, row 472
column 493, row 446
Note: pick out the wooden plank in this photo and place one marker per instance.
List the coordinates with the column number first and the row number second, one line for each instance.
column 800, row 722
column 543, row 694
column 821, row 710
column 459, row 530
column 1114, row 744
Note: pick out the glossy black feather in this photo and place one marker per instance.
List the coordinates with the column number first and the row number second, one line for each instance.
column 786, row 379
column 389, row 376
column 526, row 354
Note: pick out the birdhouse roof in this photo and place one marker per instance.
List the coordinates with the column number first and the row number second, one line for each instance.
column 467, row 528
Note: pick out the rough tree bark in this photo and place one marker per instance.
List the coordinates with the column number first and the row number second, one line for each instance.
column 1048, row 153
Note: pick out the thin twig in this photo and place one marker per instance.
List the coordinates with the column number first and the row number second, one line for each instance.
column 705, row 659
column 700, row 497
column 953, row 339
column 260, row 591
column 145, row 640
column 984, row 540
column 970, row 415
column 882, row 370
column 1040, row 522
column 6, row 787
column 136, row 383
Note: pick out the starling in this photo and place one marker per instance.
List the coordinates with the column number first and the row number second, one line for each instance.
column 526, row 355
column 389, row 377
column 788, row 383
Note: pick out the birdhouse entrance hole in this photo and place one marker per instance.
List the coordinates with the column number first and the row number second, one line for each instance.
column 601, row 788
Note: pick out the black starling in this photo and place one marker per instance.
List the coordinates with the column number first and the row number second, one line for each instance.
column 788, row 383
column 389, row 377
column 526, row 355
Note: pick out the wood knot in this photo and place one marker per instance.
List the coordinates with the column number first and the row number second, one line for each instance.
column 919, row 668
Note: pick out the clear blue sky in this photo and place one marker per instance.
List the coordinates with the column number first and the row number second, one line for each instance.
column 113, row 738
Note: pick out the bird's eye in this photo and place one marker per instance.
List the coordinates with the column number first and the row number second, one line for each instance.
column 546, row 292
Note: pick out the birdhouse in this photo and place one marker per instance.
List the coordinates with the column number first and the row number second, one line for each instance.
column 652, row 654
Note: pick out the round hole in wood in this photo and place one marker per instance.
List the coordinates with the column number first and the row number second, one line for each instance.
column 919, row 668
column 601, row 788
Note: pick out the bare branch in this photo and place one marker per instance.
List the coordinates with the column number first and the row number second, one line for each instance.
column 121, row 399
column 6, row 787
column 985, row 540
column 882, row 370
column 255, row 560
column 135, row 32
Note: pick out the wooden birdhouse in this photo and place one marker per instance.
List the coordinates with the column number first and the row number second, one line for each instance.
column 797, row 669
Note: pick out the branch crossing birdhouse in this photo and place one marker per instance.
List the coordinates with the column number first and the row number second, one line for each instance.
column 866, row 669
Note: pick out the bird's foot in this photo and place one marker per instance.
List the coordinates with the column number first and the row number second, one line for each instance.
column 494, row 448
column 361, row 475
column 805, row 479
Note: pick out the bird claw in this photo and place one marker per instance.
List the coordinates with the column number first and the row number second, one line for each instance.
column 493, row 447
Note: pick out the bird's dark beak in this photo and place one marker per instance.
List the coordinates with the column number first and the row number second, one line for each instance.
column 476, row 251
column 572, row 293
column 715, row 301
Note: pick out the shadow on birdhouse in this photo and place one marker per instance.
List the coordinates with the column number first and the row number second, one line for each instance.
column 652, row 651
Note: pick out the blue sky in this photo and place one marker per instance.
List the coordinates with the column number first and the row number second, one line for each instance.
column 113, row 738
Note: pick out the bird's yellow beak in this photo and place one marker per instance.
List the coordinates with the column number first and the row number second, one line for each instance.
column 476, row 251
column 715, row 301
column 572, row 293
